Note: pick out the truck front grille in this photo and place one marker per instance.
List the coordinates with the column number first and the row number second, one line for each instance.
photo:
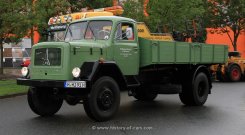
column 47, row 57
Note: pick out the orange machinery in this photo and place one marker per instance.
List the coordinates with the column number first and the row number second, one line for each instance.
column 233, row 70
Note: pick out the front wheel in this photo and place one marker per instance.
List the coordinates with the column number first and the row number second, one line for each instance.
column 104, row 99
column 195, row 94
column 43, row 101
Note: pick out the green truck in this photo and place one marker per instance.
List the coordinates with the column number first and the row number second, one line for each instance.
column 102, row 56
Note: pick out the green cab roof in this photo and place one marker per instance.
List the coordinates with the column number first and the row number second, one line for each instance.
column 109, row 18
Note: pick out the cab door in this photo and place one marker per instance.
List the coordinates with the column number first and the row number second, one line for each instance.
column 126, row 49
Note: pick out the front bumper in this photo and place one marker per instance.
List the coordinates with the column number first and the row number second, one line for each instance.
column 46, row 83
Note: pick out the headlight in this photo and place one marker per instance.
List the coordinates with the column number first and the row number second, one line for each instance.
column 24, row 71
column 76, row 72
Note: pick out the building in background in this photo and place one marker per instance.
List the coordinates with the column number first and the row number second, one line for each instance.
column 15, row 54
column 222, row 38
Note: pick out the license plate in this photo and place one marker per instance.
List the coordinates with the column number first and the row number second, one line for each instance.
column 75, row 84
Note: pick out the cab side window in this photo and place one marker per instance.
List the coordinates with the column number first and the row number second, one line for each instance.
column 124, row 32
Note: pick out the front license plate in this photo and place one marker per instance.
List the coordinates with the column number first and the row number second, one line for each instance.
column 75, row 84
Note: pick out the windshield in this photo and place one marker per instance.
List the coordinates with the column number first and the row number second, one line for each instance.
column 76, row 31
column 56, row 36
column 55, row 32
column 89, row 30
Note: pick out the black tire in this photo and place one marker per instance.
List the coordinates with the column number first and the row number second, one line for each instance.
column 234, row 73
column 43, row 102
column 145, row 93
column 196, row 94
column 104, row 99
column 72, row 100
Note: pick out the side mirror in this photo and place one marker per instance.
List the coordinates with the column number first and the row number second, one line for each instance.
column 129, row 33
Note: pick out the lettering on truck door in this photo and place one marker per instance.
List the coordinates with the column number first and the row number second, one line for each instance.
column 126, row 48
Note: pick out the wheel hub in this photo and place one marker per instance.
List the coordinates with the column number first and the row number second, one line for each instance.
column 201, row 89
column 235, row 74
column 105, row 99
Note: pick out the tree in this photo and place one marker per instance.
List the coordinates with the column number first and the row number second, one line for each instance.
column 20, row 18
column 1, row 44
column 77, row 5
column 10, row 27
column 169, row 16
column 27, row 16
column 135, row 10
column 173, row 13
column 43, row 10
column 225, row 16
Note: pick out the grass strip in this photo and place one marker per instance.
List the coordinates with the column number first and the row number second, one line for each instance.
column 9, row 87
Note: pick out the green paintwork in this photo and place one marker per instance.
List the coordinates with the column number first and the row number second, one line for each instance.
column 128, row 55
column 163, row 52
column 54, row 72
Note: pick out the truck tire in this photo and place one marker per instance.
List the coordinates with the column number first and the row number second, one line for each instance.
column 43, row 102
column 196, row 94
column 72, row 100
column 104, row 99
column 234, row 73
column 144, row 93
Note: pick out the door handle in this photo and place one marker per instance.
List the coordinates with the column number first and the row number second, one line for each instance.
column 91, row 51
column 74, row 49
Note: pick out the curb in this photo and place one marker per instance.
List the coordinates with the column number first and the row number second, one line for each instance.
column 13, row 95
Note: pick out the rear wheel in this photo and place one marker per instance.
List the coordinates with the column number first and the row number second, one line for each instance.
column 43, row 101
column 196, row 94
column 145, row 93
column 234, row 73
column 104, row 99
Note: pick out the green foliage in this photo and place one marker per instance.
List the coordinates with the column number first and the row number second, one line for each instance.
column 14, row 18
column 77, row 5
column 173, row 13
column 93, row 4
column 170, row 16
column 44, row 9
column 19, row 17
column 134, row 9
column 14, row 22
column 226, row 15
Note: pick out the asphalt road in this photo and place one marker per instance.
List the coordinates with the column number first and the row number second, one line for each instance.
column 223, row 114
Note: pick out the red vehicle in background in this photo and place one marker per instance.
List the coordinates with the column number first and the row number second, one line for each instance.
column 25, row 63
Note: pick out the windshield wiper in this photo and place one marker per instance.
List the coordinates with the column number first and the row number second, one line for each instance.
column 47, row 62
column 69, row 29
column 92, row 32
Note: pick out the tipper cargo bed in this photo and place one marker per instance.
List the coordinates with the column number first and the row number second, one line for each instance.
column 165, row 52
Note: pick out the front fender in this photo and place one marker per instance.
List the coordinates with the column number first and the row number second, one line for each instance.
column 91, row 71
column 202, row 68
